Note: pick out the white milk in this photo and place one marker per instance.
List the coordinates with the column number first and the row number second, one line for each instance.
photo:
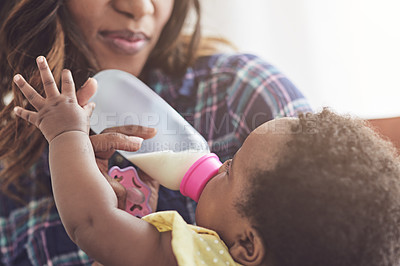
column 167, row 167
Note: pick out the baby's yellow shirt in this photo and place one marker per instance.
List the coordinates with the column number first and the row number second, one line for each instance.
column 192, row 245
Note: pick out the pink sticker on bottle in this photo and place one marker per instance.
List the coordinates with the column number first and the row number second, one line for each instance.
column 137, row 192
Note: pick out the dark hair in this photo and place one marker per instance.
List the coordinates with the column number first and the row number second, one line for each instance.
column 333, row 198
column 30, row 28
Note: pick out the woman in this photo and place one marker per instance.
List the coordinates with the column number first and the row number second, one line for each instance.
column 225, row 96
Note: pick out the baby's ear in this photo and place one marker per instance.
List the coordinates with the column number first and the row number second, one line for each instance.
column 248, row 249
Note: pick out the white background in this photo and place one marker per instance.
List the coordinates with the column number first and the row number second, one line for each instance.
column 340, row 53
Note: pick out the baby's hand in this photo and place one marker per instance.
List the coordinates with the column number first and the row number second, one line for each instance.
column 58, row 113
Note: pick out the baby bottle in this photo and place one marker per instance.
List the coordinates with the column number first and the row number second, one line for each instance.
column 178, row 157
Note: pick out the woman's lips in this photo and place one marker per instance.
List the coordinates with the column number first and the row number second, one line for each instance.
column 125, row 41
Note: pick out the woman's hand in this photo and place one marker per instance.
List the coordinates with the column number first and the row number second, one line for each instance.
column 126, row 138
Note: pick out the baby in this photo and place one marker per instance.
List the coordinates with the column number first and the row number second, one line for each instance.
column 320, row 190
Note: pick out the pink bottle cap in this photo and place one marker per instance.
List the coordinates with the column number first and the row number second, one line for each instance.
column 198, row 175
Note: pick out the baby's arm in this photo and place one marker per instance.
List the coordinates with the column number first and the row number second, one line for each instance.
column 85, row 200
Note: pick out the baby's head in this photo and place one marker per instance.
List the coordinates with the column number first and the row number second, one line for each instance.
column 319, row 190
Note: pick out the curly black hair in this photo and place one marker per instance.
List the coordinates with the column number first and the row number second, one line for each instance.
column 333, row 198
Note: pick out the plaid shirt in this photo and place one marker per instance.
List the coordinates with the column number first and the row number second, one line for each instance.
column 223, row 96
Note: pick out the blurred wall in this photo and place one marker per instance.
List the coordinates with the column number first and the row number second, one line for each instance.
column 342, row 53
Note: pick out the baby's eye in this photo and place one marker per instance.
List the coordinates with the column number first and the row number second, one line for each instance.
column 227, row 166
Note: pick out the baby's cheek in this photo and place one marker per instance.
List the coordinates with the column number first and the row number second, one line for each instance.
column 204, row 205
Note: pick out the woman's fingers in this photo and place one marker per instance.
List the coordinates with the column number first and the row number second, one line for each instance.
column 86, row 91
column 105, row 144
column 154, row 187
column 133, row 130
column 67, row 84
column 30, row 116
column 30, row 93
column 119, row 191
column 50, row 86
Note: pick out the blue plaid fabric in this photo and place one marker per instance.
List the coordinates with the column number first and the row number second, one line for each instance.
column 223, row 96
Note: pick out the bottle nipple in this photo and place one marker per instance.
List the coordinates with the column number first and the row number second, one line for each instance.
column 198, row 175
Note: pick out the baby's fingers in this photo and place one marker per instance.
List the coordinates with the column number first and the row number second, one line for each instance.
column 30, row 116
column 68, row 86
column 30, row 93
column 50, row 86
column 86, row 91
